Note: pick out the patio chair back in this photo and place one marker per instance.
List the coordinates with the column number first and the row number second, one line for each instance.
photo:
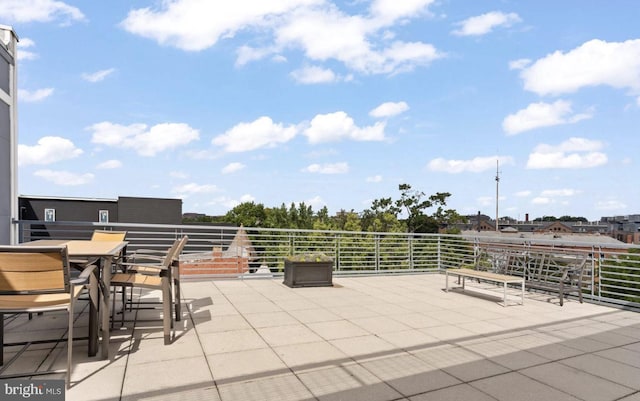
column 30, row 270
column 36, row 279
column 102, row 235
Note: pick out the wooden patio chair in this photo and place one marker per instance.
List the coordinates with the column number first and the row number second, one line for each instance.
column 142, row 254
column 37, row 279
column 153, row 272
column 105, row 235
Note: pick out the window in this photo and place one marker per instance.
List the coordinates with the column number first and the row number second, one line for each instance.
column 103, row 216
column 49, row 214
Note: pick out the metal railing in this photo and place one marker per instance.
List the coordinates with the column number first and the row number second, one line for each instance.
column 613, row 273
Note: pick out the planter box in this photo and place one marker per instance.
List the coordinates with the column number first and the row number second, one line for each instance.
column 308, row 274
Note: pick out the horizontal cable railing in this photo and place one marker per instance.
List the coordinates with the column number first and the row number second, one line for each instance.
column 612, row 274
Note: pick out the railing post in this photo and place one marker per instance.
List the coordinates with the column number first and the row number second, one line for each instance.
column 337, row 239
column 410, row 246
column 376, row 243
column 600, row 254
column 438, row 254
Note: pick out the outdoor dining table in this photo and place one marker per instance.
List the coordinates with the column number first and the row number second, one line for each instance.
column 88, row 251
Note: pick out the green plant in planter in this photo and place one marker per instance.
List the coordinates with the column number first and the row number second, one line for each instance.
column 309, row 257
column 308, row 270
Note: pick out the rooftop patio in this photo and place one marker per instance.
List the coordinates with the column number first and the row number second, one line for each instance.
column 367, row 338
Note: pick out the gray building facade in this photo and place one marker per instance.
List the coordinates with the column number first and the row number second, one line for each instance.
column 122, row 210
column 8, row 133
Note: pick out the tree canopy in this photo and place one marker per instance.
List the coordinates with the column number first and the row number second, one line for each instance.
column 412, row 211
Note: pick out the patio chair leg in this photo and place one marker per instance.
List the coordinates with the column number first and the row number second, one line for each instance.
column 113, row 307
column 124, row 304
column 1, row 339
column 70, row 342
column 177, row 300
column 167, row 319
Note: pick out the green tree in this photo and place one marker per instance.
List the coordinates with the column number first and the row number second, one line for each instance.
column 277, row 217
column 382, row 216
column 322, row 220
column 347, row 221
column 248, row 214
column 572, row 218
column 414, row 205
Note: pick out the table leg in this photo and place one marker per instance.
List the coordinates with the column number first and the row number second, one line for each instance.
column 106, row 306
column 93, row 313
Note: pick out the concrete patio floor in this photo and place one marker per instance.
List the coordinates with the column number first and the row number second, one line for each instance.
column 366, row 338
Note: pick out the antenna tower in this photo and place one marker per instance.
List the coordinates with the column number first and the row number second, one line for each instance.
column 497, row 192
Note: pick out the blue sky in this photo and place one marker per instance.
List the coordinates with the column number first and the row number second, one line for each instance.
column 332, row 102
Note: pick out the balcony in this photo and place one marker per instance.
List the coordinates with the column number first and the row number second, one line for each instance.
column 371, row 336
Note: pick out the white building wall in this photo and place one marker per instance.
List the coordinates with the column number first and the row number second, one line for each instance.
column 8, row 134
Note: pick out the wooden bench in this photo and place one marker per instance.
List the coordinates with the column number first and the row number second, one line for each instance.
column 486, row 276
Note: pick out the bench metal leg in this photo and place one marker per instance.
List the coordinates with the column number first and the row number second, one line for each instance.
column 446, row 281
column 504, row 297
column 522, row 302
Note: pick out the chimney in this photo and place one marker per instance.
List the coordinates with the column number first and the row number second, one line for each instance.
column 526, row 217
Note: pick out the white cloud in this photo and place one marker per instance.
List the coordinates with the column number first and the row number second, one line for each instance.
column 232, row 168
column 610, row 205
column 260, row 133
column 231, row 203
column 98, row 75
column 65, row 178
column 314, row 75
column 486, row 200
column 375, row 178
column 573, row 153
column 565, row 192
column 201, row 154
column 247, row 198
column 34, row 96
column 338, row 125
column 144, row 140
column 519, row 64
column 389, row 109
column 316, row 202
column 483, row 24
column 553, row 196
column 316, row 27
column 39, row 11
column 179, row 174
column 540, row 200
column 327, row 168
column 523, row 194
column 50, row 149
column 475, row 165
column 392, row 10
column 195, row 25
column 23, row 54
column 247, row 54
column 110, row 164
column 25, row 43
column 597, row 62
column 186, row 190
column 541, row 114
